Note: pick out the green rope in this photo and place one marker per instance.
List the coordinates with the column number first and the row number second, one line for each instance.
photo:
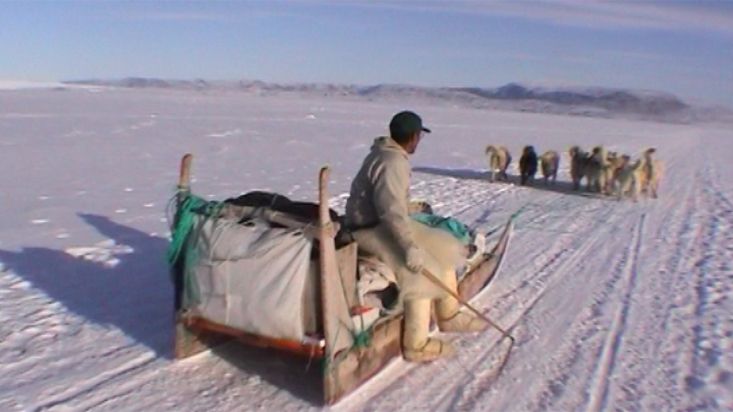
column 182, row 227
column 184, row 237
column 190, row 206
column 362, row 339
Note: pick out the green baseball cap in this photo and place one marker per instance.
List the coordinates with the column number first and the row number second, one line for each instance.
column 406, row 123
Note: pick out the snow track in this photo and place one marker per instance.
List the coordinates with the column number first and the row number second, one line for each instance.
column 600, row 382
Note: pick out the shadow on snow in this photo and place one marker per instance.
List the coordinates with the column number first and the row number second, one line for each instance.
column 538, row 183
column 136, row 296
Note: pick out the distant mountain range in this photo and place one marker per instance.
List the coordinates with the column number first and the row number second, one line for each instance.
column 580, row 101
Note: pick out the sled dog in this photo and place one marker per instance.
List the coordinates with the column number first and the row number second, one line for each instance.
column 643, row 176
column 614, row 164
column 652, row 174
column 527, row 165
column 550, row 162
column 628, row 178
column 595, row 173
column 579, row 164
column 499, row 160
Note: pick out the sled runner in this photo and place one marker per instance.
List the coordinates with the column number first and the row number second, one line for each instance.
column 278, row 276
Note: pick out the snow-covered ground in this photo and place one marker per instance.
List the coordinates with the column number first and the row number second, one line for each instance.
column 615, row 305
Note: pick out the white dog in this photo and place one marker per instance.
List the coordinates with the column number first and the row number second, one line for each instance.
column 629, row 177
column 595, row 169
column 550, row 163
column 642, row 176
column 652, row 174
column 499, row 159
column 614, row 164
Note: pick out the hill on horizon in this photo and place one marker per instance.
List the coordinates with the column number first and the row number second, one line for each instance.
column 604, row 102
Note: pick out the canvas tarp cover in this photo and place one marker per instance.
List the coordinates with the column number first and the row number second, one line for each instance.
column 252, row 276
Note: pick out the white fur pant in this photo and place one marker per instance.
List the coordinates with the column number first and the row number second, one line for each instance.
column 442, row 251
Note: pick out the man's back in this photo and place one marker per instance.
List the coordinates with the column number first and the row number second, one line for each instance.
column 381, row 186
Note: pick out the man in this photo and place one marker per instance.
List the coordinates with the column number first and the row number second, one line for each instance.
column 377, row 214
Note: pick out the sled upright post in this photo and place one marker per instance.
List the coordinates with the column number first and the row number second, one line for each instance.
column 184, row 175
column 188, row 341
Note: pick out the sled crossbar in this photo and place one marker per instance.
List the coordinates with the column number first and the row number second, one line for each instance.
column 310, row 350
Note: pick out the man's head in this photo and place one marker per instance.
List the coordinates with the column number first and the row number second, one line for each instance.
column 405, row 129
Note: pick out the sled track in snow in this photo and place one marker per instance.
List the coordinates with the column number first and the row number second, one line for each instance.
column 569, row 248
column 681, row 307
column 636, row 356
column 712, row 279
column 697, row 307
column 587, row 318
column 575, row 347
column 552, row 274
column 649, row 336
column 599, row 383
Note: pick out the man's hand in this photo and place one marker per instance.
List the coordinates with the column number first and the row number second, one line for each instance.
column 415, row 259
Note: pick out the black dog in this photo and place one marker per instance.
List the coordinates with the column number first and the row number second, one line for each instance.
column 528, row 165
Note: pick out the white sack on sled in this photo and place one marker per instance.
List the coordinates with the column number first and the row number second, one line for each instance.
column 252, row 277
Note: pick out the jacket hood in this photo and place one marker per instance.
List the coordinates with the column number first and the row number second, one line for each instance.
column 387, row 144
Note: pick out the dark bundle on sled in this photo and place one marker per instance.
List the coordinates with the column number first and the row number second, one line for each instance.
column 280, row 203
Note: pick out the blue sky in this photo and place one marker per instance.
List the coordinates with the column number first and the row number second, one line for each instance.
column 683, row 47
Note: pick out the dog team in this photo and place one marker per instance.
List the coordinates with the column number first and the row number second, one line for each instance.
column 605, row 172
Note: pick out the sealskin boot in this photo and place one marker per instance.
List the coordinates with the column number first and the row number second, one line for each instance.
column 416, row 345
column 450, row 318
column 462, row 322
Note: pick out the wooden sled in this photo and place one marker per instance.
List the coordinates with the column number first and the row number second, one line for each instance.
column 347, row 362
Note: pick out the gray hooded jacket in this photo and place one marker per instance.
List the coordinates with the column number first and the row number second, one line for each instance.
column 380, row 192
